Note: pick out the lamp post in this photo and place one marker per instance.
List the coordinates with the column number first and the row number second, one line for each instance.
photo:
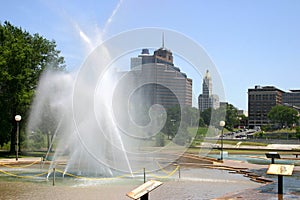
column 222, row 124
column 239, row 118
column 18, row 119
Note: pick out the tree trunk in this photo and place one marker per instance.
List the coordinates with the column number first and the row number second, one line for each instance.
column 13, row 137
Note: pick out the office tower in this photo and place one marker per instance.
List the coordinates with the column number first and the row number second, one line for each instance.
column 207, row 99
column 260, row 102
column 161, row 81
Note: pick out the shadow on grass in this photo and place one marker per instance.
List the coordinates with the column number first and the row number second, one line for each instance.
column 8, row 154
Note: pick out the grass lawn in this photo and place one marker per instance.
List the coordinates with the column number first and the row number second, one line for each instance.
column 247, row 143
column 238, row 151
column 6, row 154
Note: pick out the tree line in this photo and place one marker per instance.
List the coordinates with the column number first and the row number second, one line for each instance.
column 23, row 58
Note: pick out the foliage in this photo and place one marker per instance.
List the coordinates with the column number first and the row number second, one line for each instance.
column 298, row 132
column 179, row 118
column 180, row 139
column 23, row 57
column 260, row 134
column 35, row 141
column 160, row 140
column 283, row 115
column 201, row 122
column 182, row 136
column 172, row 122
column 232, row 118
column 48, row 123
column 213, row 116
column 191, row 116
column 206, row 116
column 5, row 146
column 267, row 127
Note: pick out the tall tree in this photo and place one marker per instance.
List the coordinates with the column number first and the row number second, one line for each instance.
column 23, row 57
column 206, row 115
column 231, row 117
column 213, row 116
column 179, row 119
column 283, row 115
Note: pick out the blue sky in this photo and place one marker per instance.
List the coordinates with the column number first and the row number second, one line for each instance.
column 251, row 42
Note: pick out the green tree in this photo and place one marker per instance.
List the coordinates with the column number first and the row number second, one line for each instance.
column 23, row 57
column 177, row 122
column 298, row 132
column 232, row 118
column 51, row 124
column 283, row 115
column 206, row 116
column 172, row 121
column 160, row 140
column 191, row 116
column 201, row 122
column 213, row 116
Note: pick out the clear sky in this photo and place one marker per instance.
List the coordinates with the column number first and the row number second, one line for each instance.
column 251, row 42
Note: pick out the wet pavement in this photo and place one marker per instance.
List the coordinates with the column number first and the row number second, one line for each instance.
column 194, row 184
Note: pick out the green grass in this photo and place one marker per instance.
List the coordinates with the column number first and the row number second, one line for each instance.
column 230, row 142
column 285, row 131
column 234, row 142
column 239, row 151
column 24, row 154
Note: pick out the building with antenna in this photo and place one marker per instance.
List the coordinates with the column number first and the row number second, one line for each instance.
column 207, row 99
column 162, row 82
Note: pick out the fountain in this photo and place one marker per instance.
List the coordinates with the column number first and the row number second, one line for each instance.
column 96, row 131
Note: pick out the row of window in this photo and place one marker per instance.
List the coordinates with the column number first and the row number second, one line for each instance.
column 262, row 97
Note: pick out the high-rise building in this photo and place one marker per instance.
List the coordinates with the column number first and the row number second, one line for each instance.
column 162, row 82
column 207, row 99
column 292, row 98
column 260, row 102
column 262, row 99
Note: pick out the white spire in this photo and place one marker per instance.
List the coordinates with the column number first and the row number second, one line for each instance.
column 207, row 75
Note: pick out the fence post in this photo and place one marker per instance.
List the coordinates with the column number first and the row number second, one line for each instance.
column 179, row 173
column 280, row 184
column 53, row 176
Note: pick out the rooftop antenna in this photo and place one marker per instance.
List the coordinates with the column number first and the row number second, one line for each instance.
column 163, row 40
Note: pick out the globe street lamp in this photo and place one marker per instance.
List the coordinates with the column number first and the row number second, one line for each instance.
column 222, row 124
column 18, row 119
column 239, row 118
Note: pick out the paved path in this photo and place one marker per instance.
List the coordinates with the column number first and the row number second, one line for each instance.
column 191, row 190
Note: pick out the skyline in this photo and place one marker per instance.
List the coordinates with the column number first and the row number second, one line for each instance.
column 250, row 42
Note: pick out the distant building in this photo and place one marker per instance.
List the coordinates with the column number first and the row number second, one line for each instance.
column 260, row 102
column 243, row 112
column 292, row 98
column 224, row 105
column 162, row 82
column 207, row 99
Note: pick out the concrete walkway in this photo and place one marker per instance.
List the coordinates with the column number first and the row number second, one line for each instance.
column 118, row 191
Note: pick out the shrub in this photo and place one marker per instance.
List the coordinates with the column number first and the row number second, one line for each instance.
column 298, row 132
column 160, row 140
column 260, row 134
